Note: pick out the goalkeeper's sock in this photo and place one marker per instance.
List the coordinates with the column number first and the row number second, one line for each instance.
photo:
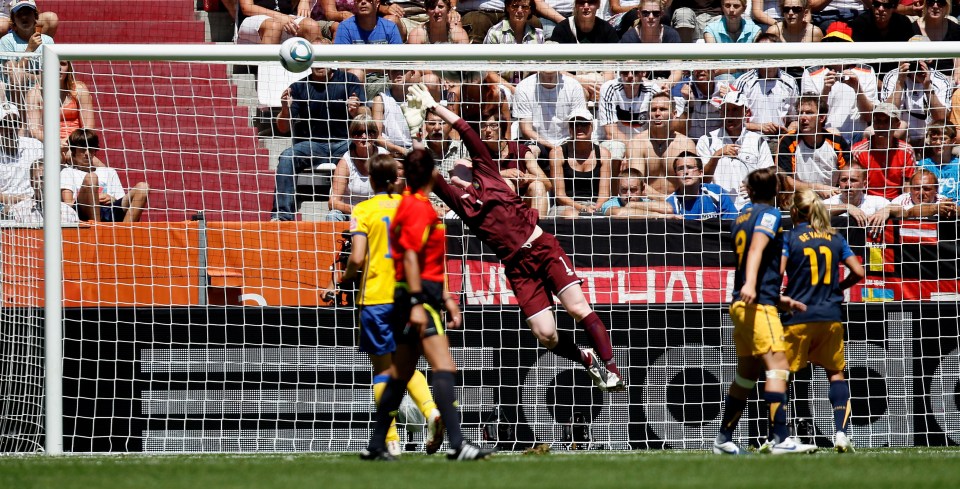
column 840, row 400
column 443, row 384
column 379, row 384
column 420, row 392
column 567, row 348
column 777, row 403
column 600, row 340
column 732, row 410
column 386, row 411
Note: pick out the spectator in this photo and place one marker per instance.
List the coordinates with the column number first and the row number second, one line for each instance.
column 388, row 112
column 921, row 93
column 439, row 28
column 584, row 27
column 318, row 108
column 630, row 202
column 623, row 14
column 882, row 24
column 651, row 151
column 564, row 9
column 850, row 90
column 47, row 20
column 475, row 96
column 922, row 199
column 691, row 17
column 936, row 25
column 350, row 184
column 22, row 73
column 76, row 106
column 730, row 153
column 445, row 150
column 544, row 101
column 94, row 187
column 480, row 15
column 340, row 10
column 771, row 95
column 624, row 102
column 275, row 21
column 580, row 171
column 515, row 27
column 518, row 165
column 16, row 155
column 826, row 12
column 732, row 27
column 809, row 157
column 940, row 159
column 766, row 13
column 695, row 199
column 30, row 210
column 699, row 99
column 794, row 25
column 649, row 28
column 889, row 161
column 853, row 199
column 366, row 27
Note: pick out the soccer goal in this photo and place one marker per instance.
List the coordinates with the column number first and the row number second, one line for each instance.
column 208, row 325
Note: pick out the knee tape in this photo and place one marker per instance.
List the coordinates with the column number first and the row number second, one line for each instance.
column 744, row 382
column 777, row 374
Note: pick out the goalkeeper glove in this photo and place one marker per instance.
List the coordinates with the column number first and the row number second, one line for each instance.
column 419, row 96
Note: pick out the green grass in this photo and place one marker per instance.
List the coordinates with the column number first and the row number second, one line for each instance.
column 900, row 468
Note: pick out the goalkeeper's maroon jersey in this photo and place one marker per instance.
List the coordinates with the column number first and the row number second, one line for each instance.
column 494, row 211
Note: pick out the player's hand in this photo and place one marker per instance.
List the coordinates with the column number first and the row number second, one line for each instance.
column 748, row 293
column 418, row 318
column 787, row 304
column 454, row 319
column 419, row 96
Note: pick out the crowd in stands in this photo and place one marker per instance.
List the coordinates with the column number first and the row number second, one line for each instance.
column 631, row 143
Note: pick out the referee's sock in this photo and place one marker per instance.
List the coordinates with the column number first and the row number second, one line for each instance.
column 840, row 400
column 600, row 340
column 443, row 384
column 386, row 411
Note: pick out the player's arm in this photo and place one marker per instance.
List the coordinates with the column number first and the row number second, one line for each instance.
column 856, row 272
column 419, row 96
column 759, row 241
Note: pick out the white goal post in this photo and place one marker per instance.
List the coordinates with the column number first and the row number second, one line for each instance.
column 532, row 57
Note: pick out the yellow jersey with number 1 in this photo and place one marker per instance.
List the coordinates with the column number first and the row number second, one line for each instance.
column 372, row 218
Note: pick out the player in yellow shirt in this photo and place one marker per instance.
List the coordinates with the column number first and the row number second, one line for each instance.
column 370, row 225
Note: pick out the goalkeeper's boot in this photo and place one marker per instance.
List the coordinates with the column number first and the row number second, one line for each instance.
column 470, row 451
column 842, row 443
column 786, row 447
column 723, row 446
column 435, row 431
column 604, row 379
column 377, row 454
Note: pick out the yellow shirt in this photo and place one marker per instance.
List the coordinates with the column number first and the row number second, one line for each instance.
column 372, row 218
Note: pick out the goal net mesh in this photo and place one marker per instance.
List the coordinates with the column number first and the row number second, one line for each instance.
column 206, row 326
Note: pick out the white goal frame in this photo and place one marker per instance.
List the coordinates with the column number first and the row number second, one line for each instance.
column 53, row 54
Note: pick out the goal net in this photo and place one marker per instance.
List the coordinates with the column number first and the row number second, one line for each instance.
column 207, row 325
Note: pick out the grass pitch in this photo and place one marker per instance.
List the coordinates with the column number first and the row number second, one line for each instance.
column 900, row 468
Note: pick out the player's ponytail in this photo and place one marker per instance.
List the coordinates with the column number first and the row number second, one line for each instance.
column 807, row 207
column 418, row 168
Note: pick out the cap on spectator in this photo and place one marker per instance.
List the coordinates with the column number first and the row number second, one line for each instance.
column 7, row 110
column 735, row 97
column 887, row 108
column 19, row 4
column 581, row 114
column 838, row 32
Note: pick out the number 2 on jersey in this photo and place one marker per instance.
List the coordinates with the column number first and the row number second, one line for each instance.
column 815, row 277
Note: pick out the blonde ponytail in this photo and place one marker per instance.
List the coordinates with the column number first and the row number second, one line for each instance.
column 809, row 208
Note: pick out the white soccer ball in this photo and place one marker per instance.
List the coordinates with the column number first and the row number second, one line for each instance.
column 296, row 54
column 409, row 414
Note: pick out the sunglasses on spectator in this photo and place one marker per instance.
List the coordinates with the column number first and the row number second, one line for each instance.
column 360, row 134
column 885, row 5
column 650, row 13
column 517, row 6
column 795, row 10
column 938, row 3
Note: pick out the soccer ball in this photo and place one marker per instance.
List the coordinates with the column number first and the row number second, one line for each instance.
column 409, row 414
column 296, row 54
